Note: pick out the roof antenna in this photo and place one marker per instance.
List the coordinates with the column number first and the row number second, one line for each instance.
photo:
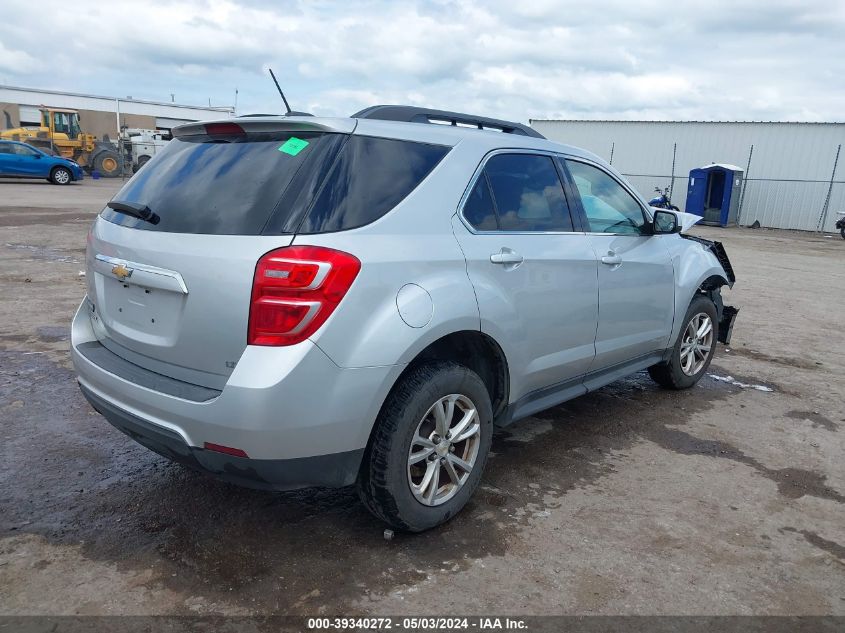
column 279, row 88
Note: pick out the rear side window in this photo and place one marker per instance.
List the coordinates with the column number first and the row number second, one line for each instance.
column 222, row 186
column 478, row 209
column 370, row 177
column 528, row 194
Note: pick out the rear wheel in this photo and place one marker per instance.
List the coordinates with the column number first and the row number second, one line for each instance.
column 60, row 176
column 429, row 447
column 107, row 163
column 694, row 348
column 842, row 232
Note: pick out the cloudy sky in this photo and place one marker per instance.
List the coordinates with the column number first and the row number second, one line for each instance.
column 516, row 59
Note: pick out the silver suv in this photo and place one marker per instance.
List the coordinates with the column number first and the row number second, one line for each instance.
column 298, row 301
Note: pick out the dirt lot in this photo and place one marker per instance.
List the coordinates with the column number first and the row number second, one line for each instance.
column 631, row 500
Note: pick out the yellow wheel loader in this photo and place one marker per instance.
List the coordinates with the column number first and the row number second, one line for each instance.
column 60, row 132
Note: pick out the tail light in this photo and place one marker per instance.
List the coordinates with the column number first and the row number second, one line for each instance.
column 294, row 291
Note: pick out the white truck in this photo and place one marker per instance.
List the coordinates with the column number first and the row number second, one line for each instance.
column 141, row 145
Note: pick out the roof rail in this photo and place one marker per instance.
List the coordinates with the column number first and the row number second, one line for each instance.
column 413, row 114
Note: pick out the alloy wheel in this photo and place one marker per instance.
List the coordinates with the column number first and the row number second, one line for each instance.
column 696, row 344
column 444, row 449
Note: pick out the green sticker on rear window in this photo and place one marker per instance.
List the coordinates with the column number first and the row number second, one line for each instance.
column 293, row 146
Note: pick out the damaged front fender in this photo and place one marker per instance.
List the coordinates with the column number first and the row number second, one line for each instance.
column 702, row 266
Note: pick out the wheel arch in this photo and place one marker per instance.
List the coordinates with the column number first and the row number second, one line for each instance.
column 697, row 271
column 473, row 349
column 480, row 353
column 54, row 168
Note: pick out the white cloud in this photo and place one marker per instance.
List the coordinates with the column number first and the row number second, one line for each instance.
column 17, row 61
column 737, row 59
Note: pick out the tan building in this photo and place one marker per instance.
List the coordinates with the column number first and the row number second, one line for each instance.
column 101, row 116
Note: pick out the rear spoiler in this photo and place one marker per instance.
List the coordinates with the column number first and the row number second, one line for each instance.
column 272, row 124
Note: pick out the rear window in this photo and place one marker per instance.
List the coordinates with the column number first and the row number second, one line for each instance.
column 369, row 178
column 255, row 184
column 223, row 186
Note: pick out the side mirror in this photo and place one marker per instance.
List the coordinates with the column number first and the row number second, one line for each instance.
column 665, row 222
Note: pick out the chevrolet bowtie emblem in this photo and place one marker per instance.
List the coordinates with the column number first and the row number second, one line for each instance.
column 121, row 272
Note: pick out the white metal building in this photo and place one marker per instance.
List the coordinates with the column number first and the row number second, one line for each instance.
column 99, row 115
column 792, row 179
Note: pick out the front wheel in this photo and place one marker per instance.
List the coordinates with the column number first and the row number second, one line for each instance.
column 107, row 163
column 429, row 447
column 60, row 176
column 842, row 232
column 674, row 208
column 694, row 348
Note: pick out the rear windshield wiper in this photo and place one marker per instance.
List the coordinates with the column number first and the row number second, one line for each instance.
column 140, row 211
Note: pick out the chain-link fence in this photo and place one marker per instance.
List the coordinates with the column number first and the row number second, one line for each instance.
column 789, row 203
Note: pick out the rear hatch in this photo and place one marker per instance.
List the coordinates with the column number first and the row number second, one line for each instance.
column 172, row 295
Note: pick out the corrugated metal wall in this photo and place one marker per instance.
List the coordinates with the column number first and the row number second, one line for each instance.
column 788, row 181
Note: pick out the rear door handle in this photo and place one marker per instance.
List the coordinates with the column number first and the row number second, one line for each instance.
column 506, row 256
column 611, row 259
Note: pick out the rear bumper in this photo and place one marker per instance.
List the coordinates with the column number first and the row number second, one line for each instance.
column 339, row 469
column 301, row 419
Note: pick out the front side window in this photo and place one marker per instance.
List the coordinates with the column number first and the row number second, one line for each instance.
column 23, row 150
column 608, row 207
column 528, row 194
column 60, row 122
column 74, row 127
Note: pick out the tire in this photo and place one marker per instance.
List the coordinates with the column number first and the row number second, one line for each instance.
column 682, row 371
column 674, row 208
column 386, row 477
column 143, row 160
column 842, row 232
column 61, row 176
column 107, row 163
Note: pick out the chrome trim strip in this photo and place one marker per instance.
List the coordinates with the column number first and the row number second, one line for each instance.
column 152, row 270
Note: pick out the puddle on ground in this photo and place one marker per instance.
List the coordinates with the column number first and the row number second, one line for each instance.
column 815, row 418
column 50, row 254
column 786, row 361
column 53, row 334
column 831, row 547
column 792, row 483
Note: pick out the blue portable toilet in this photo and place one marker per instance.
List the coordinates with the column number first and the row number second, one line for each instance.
column 713, row 193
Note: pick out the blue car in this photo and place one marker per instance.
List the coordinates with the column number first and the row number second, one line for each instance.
column 19, row 160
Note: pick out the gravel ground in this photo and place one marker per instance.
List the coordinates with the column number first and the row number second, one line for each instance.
column 722, row 499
